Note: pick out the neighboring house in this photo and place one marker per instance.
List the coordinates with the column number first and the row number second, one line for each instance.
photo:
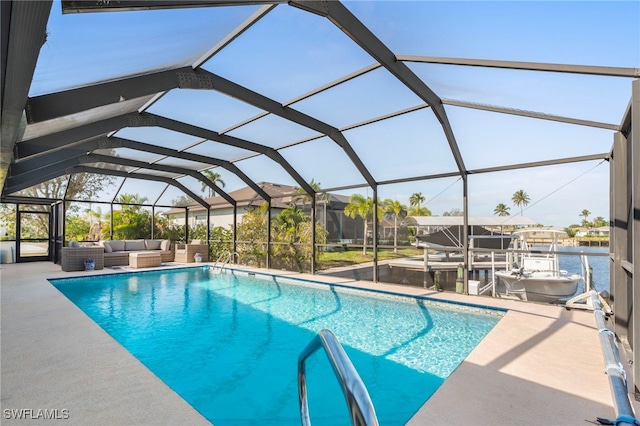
column 387, row 227
column 602, row 231
column 581, row 232
column 329, row 213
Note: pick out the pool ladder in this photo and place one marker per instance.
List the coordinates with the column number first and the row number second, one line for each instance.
column 360, row 406
column 225, row 258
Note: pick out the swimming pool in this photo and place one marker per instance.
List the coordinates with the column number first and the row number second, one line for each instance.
column 228, row 343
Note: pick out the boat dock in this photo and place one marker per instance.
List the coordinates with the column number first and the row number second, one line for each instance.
column 439, row 271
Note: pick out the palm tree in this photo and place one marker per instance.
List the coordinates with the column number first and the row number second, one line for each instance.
column 419, row 211
column 501, row 210
column 585, row 213
column 215, row 178
column 321, row 196
column 520, row 198
column 397, row 209
column 363, row 207
column 599, row 221
column 416, row 200
column 131, row 201
column 302, row 195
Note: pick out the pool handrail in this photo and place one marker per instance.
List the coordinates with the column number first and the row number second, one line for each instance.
column 355, row 392
column 227, row 256
column 232, row 255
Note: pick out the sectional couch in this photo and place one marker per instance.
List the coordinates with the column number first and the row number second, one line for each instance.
column 116, row 252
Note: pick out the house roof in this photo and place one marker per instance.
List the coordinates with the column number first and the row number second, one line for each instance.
column 281, row 197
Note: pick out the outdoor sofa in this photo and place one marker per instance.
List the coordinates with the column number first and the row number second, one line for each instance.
column 74, row 257
column 116, row 252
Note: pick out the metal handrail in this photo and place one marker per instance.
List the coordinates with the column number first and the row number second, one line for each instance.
column 218, row 260
column 227, row 256
column 232, row 255
column 360, row 406
column 613, row 368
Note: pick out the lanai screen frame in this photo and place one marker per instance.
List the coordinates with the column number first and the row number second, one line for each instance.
column 24, row 28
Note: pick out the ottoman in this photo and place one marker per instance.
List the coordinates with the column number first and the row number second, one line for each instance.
column 145, row 259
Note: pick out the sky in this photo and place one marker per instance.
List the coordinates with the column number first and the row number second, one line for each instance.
column 290, row 52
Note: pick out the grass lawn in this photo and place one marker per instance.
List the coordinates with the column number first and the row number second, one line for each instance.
column 333, row 259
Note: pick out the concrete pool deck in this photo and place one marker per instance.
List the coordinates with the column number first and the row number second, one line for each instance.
column 540, row 365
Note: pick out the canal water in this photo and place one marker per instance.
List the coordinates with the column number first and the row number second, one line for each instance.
column 598, row 260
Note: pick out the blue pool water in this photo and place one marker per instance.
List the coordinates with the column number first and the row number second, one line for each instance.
column 229, row 343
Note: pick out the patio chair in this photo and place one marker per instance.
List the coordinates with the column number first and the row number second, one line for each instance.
column 185, row 253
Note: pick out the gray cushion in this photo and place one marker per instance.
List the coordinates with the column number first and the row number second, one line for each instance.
column 165, row 245
column 117, row 245
column 196, row 241
column 74, row 244
column 131, row 245
column 153, row 244
column 107, row 247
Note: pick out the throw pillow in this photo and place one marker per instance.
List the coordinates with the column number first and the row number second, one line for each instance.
column 107, row 247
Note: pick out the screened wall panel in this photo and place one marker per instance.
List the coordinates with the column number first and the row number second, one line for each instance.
column 208, row 109
column 109, row 166
column 231, row 181
column 273, row 131
column 219, row 150
column 104, row 46
column 287, row 53
column 158, row 136
column 172, row 196
column 371, row 95
column 158, row 173
column 430, row 197
column 196, row 186
column 132, row 154
column 480, row 30
column 144, row 191
column 554, row 188
column 263, row 169
column 107, row 192
column 586, row 97
column 89, row 186
column 185, row 164
column 488, row 139
column 404, row 146
column 323, row 161
column 53, row 188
